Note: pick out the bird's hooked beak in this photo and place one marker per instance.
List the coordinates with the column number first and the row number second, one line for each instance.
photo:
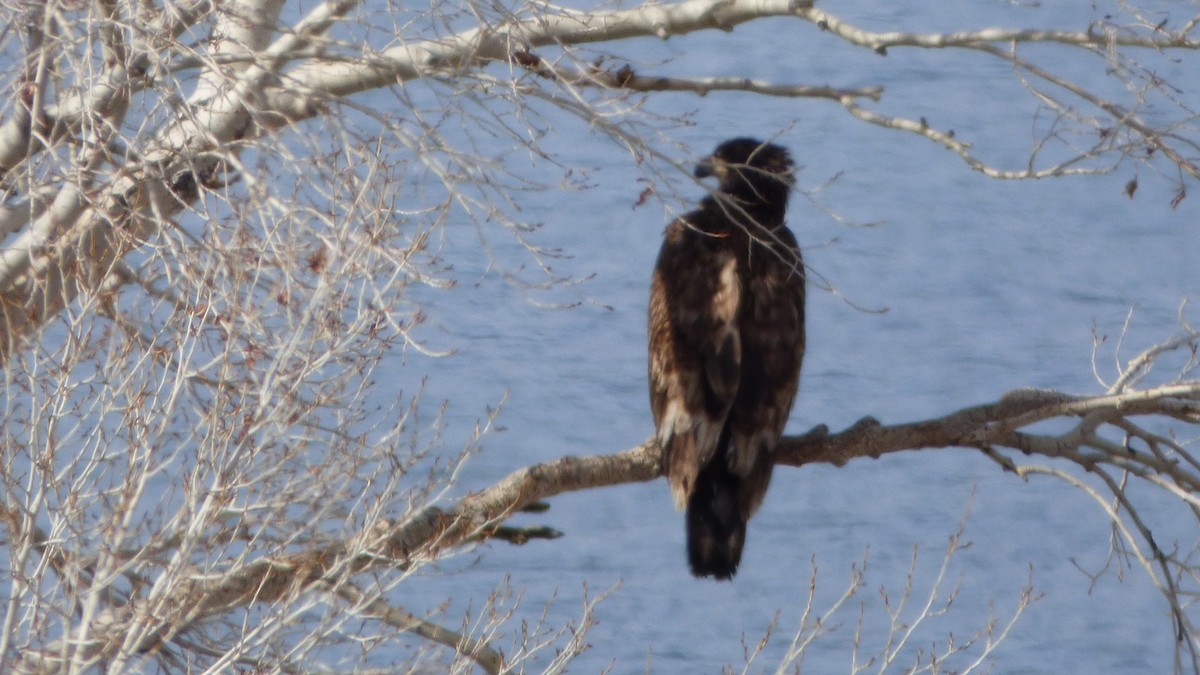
column 711, row 166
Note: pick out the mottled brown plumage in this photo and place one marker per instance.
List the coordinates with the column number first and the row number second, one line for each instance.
column 726, row 342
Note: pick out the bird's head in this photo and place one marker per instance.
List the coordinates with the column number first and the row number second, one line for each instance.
column 752, row 171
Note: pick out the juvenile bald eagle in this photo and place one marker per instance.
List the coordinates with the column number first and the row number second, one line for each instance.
column 726, row 342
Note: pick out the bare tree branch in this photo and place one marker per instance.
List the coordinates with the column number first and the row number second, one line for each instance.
column 490, row 660
column 984, row 427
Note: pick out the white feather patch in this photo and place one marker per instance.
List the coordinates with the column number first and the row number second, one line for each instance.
column 725, row 300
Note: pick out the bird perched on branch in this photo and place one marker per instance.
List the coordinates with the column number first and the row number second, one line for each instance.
column 726, row 342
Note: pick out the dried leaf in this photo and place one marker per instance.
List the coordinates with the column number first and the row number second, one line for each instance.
column 645, row 195
column 1180, row 195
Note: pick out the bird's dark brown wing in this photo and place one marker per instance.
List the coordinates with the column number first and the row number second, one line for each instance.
column 771, row 326
column 695, row 350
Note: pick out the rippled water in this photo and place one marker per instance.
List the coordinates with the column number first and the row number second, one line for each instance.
column 988, row 286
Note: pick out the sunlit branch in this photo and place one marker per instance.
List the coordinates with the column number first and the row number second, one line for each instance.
column 1095, row 36
column 495, row 43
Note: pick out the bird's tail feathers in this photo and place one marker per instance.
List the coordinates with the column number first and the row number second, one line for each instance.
column 716, row 528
